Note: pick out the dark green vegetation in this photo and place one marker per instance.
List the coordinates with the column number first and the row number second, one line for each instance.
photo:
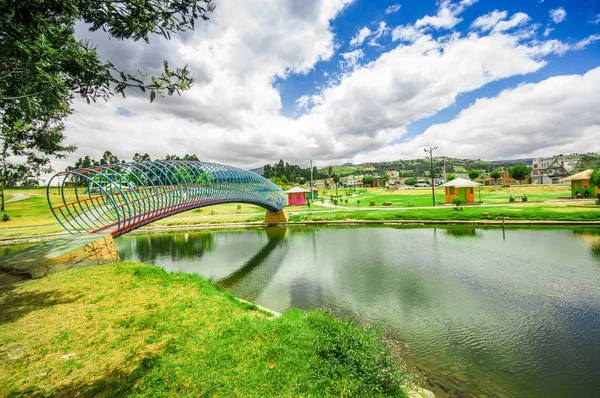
column 109, row 158
column 291, row 172
column 421, row 167
column 43, row 66
column 519, row 172
column 133, row 329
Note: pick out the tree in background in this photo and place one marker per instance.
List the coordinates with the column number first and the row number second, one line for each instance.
column 495, row 174
column 473, row 174
column 368, row 180
column 384, row 178
column 336, row 178
column 450, row 177
column 410, row 181
column 595, row 178
column 141, row 158
column 519, row 172
column 108, row 158
column 43, row 66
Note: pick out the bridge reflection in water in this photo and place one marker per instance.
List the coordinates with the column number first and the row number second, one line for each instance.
column 248, row 280
column 256, row 274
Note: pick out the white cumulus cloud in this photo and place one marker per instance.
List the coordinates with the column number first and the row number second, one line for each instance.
column 447, row 15
column 393, row 8
column 360, row 37
column 558, row 15
column 557, row 115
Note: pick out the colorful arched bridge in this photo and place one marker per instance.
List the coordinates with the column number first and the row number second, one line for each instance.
column 119, row 198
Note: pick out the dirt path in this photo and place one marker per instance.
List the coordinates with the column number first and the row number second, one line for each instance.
column 17, row 197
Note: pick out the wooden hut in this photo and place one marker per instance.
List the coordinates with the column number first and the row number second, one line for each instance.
column 459, row 187
column 296, row 196
column 581, row 186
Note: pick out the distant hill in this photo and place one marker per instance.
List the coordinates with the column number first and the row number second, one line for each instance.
column 420, row 167
column 258, row 170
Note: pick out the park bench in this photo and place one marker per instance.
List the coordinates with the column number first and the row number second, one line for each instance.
column 514, row 198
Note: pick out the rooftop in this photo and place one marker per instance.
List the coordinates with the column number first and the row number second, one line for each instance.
column 460, row 182
column 583, row 175
column 296, row 190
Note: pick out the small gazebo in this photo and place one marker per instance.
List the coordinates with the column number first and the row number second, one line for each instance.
column 459, row 187
column 297, row 196
column 581, row 183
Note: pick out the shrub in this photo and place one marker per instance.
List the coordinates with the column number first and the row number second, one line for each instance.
column 597, row 200
column 457, row 201
column 5, row 217
column 335, row 202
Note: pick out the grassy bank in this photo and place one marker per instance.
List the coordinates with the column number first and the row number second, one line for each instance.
column 133, row 329
column 530, row 213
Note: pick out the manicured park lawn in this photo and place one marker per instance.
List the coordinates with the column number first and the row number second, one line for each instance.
column 131, row 329
column 420, row 197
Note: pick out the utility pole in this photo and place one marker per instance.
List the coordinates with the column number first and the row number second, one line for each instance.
column 2, row 192
column 430, row 152
column 445, row 169
column 311, row 182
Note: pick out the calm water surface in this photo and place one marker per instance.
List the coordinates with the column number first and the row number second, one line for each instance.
column 480, row 314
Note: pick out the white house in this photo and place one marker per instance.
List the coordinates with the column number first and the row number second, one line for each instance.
column 551, row 170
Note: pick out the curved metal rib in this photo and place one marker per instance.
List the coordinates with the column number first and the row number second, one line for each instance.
column 119, row 198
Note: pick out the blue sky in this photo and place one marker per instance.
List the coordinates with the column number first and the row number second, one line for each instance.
column 576, row 26
column 341, row 81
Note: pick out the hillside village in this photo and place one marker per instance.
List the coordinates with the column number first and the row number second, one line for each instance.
column 407, row 174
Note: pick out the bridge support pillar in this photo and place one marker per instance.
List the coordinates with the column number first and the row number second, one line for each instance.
column 276, row 217
column 64, row 253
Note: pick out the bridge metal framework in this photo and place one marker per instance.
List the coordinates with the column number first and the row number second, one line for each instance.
column 119, row 198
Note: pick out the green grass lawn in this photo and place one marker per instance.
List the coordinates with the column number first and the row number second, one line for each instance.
column 421, row 197
column 134, row 330
column 546, row 213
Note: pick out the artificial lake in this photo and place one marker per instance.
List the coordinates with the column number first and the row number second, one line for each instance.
column 482, row 312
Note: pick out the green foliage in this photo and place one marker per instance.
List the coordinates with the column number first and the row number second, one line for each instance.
column 384, row 178
column 450, row 177
column 473, row 174
column 519, row 172
column 5, row 217
column 368, row 180
column 43, row 66
column 410, row 181
column 293, row 173
column 595, row 178
column 457, row 201
column 284, row 179
column 495, row 174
